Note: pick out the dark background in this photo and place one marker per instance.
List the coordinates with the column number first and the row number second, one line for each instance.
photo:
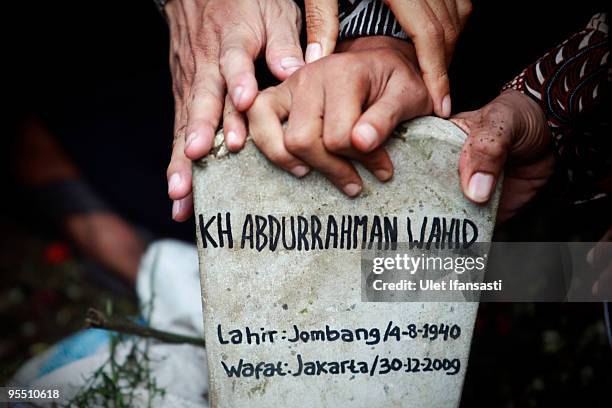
column 96, row 73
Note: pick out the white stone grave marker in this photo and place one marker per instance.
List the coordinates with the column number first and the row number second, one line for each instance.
column 284, row 320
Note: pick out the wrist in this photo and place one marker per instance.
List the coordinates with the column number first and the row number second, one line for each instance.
column 530, row 122
column 406, row 48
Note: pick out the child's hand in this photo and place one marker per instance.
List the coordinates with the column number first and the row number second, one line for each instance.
column 341, row 107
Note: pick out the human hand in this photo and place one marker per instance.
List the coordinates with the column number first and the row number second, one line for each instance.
column 509, row 132
column 341, row 107
column 212, row 47
column 433, row 25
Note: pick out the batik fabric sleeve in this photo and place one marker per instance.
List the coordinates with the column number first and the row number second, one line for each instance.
column 571, row 79
column 571, row 83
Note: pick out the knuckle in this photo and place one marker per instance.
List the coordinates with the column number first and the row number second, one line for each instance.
column 298, row 142
column 236, row 54
column 230, row 58
column 336, row 141
column 354, row 70
column 353, row 67
column 301, row 81
column 225, row 57
column 277, row 156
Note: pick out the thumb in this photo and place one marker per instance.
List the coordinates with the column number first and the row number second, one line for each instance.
column 321, row 27
column 482, row 158
column 283, row 50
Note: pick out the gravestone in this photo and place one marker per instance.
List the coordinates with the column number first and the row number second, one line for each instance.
column 281, row 259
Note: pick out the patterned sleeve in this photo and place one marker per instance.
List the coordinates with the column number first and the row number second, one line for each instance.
column 362, row 18
column 570, row 80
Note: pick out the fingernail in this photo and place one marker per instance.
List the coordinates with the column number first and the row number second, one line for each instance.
column 590, row 256
column 446, row 106
column 174, row 182
column 232, row 139
column 313, row 52
column 480, row 187
column 236, row 95
column 367, row 134
column 300, row 170
column 291, row 64
column 382, row 174
column 352, row 189
column 190, row 139
column 176, row 208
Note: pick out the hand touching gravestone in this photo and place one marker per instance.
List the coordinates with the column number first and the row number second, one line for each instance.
column 281, row 260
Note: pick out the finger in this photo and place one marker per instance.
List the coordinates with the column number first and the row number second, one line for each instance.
column 483, row 157
column 283, row 51
column 321, row 27
column 182, row 209
column 377, row 162
column 179, row 170
column 269, row 109
column 204, row 110
column 238, row 51
column 343, row 106
column 450, row 26
column 303, row 139
column 601, row 254
column 342, row 109
column 453, row 12
column 234, row 128
column 521, row 183
column 399, row 102
column 178, row 173
column 464, row 9
column 422, row 26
